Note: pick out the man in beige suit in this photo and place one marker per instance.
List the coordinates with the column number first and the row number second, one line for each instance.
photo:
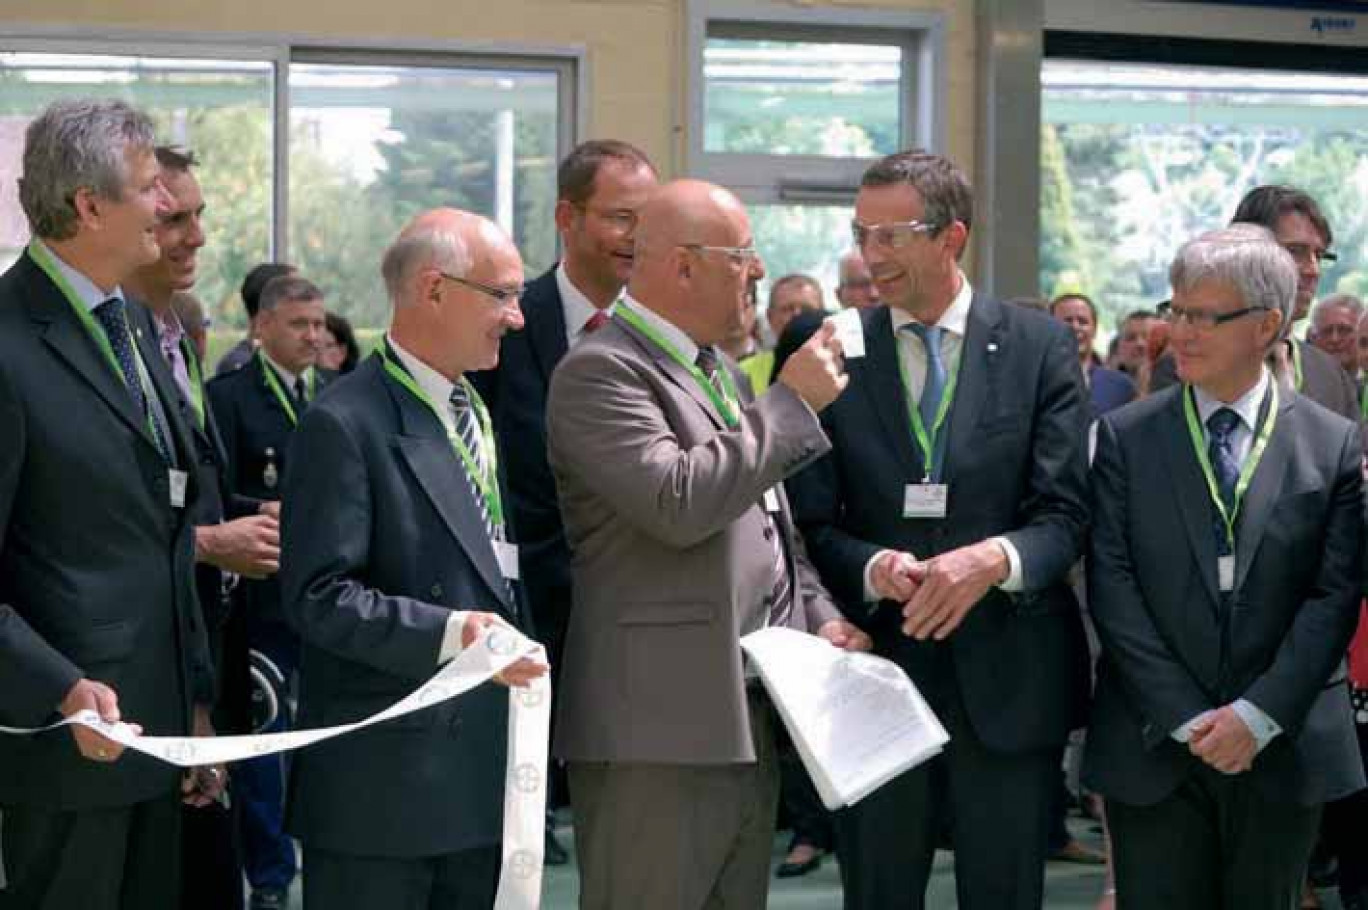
column 670, row 485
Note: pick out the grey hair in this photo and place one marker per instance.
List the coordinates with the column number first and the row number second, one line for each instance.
column 425, row 246
column 1248, row 258
column 287, row 289
column 76, row 144
column 1343, row 301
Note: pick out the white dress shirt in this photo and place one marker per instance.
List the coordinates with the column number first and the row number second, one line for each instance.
column 954, row 321
column 577, row 307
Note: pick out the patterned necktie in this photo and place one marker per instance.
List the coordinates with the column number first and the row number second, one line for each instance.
column 1221, row 428
column 595, row 322
column 468, row 429
column 115, row 324
column 933, row 389
column 707, row 364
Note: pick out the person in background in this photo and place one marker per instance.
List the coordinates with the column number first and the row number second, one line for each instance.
column 250, row 292
column 1107, row 388
column 1132, row 350
column 1334, row 329
column 741, row 342
column 788, row 297
column 195, row 322
column 855, row 288
column 338, row 351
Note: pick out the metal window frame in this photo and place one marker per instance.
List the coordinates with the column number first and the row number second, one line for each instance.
column 567, row 62
column 808, row 179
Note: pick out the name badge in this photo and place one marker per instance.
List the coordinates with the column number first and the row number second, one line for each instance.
column 772, row 501
column 1225, row 573
column 925, row 500
column 507, row 555
column 179, row 481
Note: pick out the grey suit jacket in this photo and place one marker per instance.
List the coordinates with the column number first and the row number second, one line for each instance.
column 1173, row 647
column 663, row 511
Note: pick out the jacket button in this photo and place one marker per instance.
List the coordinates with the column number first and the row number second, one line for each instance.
column 436, row 591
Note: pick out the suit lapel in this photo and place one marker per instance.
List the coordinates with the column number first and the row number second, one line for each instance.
column 1264, row 487
column 423, row 445
column 979, row 363
column 1190, row 492
column 546, row 325
column 675, row 372
column 883, row 384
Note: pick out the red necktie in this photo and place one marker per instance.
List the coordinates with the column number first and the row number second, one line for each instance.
column 596, row 321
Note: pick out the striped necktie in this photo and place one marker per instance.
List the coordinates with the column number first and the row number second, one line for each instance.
column 468, row 429
column 112, row 318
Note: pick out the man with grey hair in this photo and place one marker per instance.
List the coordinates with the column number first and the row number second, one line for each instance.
column 854, row 285
column 398, row 554
column 1334, row 329
column 1224, row 575
column 97, row 591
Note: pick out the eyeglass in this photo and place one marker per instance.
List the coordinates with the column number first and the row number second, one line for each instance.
column 1201, row 320
column 1305, row 252
column 893, row 235
column 621, row 220
column 741, row 256
column 504, row 296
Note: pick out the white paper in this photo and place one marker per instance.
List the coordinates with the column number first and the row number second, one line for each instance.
column 850, row 332
column 856, row 719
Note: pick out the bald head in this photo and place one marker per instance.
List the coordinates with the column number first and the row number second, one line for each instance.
column 448, row 240
column 695, row 258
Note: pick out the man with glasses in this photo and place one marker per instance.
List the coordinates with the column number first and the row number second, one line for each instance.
column 1300, row 227
column 855, row 287
column 945, row 521
column 399, row 553
column 600, row 187
column 669, row 477
column 1334, row 329
column 1225, row 572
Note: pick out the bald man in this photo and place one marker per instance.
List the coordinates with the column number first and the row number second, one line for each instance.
column 398, row 557
column 669, row 477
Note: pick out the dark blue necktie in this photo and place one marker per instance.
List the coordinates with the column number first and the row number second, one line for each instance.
column 933, row 389
column 1225, row 467
column 115, row 324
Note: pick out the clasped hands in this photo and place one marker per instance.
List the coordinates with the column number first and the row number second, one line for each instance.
column 1223, row 740
column 937, row 593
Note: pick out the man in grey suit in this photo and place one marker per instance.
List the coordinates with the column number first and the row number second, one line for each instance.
column 1224, row 577
column 670, row 487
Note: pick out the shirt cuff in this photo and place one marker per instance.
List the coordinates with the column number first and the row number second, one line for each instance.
column 1260, row 724
column 1184, row 733
column 869, row 594
column 1014, row 582
column 451, row 637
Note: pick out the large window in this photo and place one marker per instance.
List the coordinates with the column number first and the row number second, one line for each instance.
column 1137, row 158
column 318, row 157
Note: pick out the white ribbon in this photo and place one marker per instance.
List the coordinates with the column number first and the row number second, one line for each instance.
column 529, row 725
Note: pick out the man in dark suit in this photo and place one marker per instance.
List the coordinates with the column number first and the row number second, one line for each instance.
column 1224, row 577
column 232, row 538
column 1302, row 229
column 668, row 479
column 944, row 520
column 257, row 409
column 97, row 599
column 396, row 555
column 600, row 186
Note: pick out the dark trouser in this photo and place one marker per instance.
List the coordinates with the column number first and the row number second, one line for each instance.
column 1346, row 821
column 678, row 837
column 810, row 820
column 211, row 863
column 1057, row 834
column 1212, row 844
column 464, row 880
column 268, row 854
column 126, row 858
column 997, row 804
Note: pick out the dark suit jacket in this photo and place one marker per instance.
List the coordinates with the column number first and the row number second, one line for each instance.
column 516, row 395
column 382, row 539
column 1015, row 462
column 1172, row 651
column 1108, row 390
column 96, row 568
column 250, row 421
column 1324, row 381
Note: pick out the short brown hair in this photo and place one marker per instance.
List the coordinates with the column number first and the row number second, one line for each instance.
column 1264, row 205
column 576, row 175
column 796, row 278
column 941, row 184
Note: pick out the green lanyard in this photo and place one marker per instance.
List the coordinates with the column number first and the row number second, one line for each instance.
column 1296, row 365
column 927, row 441
column 1252, row 462
column 725, row 399
column 485, row 476
column 43, row 258
column 192, row 365
column 279, row 390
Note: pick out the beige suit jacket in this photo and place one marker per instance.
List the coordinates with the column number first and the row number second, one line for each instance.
column 663, row 510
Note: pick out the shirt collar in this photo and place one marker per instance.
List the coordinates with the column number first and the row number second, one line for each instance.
column 681, row 342
column 86, row 290
column 578, row 308
column 290, row 378
column 954, row 320
column 1247, row 405
column 436, row 386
